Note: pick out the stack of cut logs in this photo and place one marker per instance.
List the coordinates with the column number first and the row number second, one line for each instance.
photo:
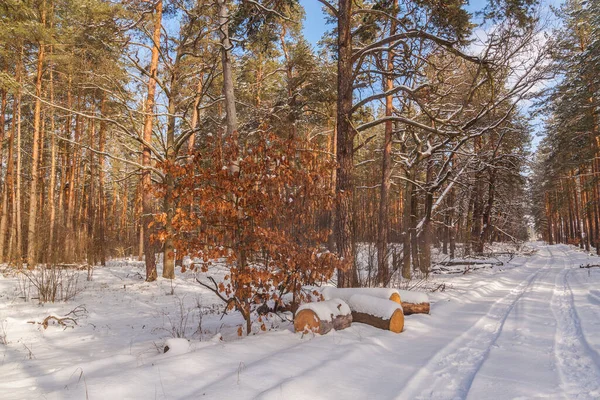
column 379, row 307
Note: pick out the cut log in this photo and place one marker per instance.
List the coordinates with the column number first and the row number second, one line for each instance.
column 471, row 262
column 323, row 316
column 412, row 302
column 377, row 312
column 412, row 308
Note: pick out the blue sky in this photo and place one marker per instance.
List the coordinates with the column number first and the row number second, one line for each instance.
column 314, row 25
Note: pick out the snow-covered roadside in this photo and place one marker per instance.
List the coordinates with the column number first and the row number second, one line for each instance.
column 529, row 328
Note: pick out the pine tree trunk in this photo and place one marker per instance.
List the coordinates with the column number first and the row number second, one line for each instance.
column 51, row 190
column 8, row 187
column 7, row 180
column 35, row 154
column 17, row 228
column 169, row 200
column 101, row 226
column 487, row 212
column 345, row 149
column 90, row 209
column 195, row 116
column 228, row 84
column 407, row 225
column 386, row 171
column 150, row 259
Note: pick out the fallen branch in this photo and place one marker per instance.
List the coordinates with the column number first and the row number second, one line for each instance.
column 67, row 321
column 590, row 266
column 471, row 262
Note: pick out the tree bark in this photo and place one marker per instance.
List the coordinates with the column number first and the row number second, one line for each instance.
column 169, row 200
column 228, row 84
column 347, row 277
column 17, row 228
column 386, row 171
column 147, row 216
column 35, row 154
column 407, row 225
column 101, row 226
column 7, row 185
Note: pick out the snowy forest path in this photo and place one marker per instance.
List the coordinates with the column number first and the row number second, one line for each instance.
column 543, row 336
column 576, row 359
column 450, row 373
column 530, row 344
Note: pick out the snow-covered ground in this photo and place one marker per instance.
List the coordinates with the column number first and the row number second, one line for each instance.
column 526, row 329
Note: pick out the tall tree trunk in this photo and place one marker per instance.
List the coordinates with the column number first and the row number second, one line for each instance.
column 487, row 212
column 414, row 238
column 17, row 228
column 90, row 218
column 101, row 226
column 347, row 277
column 289, row 74
column 35, row 154
column 169, row 201
column 407, row 225
column 150, row 259
column 195, row 116
column 425, row 239
column 53, row 157
column 451, row 222
column 476, row 245
column 3, row 105
column 386, row 170
column 8, row 187
column 228, row 84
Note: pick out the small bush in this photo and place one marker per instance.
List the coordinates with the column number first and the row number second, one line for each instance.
column 3, row 336
column 184, row 320
column 52, row 283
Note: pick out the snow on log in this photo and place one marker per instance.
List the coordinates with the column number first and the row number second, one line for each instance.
column 412, row 302
column 413, row 297
column 323, row 316
column 377, row 312
column 345, row 293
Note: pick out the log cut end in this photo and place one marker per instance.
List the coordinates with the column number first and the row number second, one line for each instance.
column 397, row 321
column 395, row 297
column 323, row 316
column 307, row 321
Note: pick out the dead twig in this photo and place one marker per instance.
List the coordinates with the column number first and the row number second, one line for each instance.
column 67, row 321
column 590, row 266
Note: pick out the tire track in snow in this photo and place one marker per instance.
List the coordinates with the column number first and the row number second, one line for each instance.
column 299, row 378
column 450, row 373
column 578, row 369
column 253, row 377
